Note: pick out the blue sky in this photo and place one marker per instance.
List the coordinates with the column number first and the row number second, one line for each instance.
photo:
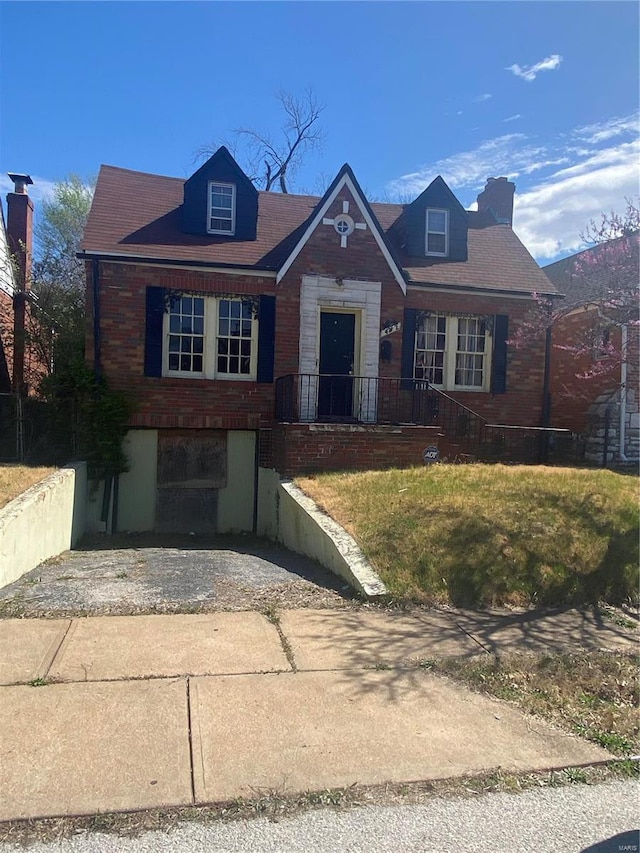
column 544, row 92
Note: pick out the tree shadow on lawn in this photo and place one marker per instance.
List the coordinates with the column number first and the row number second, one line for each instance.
column 502, row 566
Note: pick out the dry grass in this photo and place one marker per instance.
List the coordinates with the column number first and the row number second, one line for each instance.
column 15, row 479
column 482, row 535
column 276, row 805
column 594, row 694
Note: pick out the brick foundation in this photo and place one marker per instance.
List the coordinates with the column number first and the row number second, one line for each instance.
column 311, row 448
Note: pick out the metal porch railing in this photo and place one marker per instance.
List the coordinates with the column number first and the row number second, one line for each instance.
column 310, row 398
column 317, row 398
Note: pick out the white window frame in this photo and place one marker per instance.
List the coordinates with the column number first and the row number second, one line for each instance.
column 450, row 356
column 427, row 231
column 228, row 232
column 210, row 354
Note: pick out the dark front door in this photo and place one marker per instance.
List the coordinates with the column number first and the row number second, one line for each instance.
column 337, row 352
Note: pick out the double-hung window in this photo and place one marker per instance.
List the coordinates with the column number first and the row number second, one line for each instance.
column 222, row 208
column 437, row 232
column 471, row 353
column 431, row 338
column 209, row 337
column 453, row 353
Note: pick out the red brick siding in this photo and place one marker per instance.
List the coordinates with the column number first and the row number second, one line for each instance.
column 167, row 401
column 570, row 395
column 303, row 449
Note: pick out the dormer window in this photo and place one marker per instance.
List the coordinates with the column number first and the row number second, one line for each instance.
column 221, row 217
column 437, row 236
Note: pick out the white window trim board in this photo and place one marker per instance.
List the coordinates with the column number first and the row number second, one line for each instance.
column 229, row 233
column 444, row 254
column 210, row 371
column 450, row 353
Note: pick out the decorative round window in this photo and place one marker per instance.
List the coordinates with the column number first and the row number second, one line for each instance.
column 343, row 224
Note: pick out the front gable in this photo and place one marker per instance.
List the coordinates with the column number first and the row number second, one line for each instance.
column 412, row 225
column 345, row 210
column 198, row 209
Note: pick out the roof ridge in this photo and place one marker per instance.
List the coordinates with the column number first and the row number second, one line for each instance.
column 138, row 172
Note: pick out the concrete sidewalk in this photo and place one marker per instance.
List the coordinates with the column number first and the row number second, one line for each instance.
column 123, row 713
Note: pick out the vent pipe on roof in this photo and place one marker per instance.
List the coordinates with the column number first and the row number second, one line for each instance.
column 21, row 182
column 497, row 198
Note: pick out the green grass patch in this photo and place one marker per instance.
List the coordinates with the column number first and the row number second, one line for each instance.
column 483, row 535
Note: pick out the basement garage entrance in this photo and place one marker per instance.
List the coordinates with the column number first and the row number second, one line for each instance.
column 192, row 467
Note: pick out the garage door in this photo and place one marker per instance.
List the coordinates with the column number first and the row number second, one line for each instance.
column 192, row 466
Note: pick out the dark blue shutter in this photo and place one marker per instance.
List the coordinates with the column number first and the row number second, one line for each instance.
column 153, row 331
column 499, row 369
column 408, row 348
column 266, row 338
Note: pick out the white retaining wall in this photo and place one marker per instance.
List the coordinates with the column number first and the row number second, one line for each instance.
column 42, row 522
column 303, row 528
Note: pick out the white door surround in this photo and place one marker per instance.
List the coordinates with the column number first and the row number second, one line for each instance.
column 320, row 293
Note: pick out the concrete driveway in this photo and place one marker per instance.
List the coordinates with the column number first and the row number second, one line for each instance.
column 160, row 574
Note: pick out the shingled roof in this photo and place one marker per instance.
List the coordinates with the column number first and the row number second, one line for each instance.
column 593, row 274
column 138, row 215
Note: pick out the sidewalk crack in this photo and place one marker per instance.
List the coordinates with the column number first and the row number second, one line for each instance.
column 46, row 669
column 189, row 734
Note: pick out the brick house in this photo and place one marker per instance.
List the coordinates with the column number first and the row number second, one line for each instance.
column 605, row 348
column 18, row 362
column 7, row 287
column 264, row 335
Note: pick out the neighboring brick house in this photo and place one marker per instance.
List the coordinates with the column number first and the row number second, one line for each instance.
column 602, row 345
column 17, row 360
column 261, row 332
column 6, row 310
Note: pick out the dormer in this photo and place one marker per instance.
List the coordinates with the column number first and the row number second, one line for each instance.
column 435, row 225
column 220, row 200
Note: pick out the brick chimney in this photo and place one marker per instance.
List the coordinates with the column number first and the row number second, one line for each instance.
column 497, row 198
column 20, row 239
column 20, row 228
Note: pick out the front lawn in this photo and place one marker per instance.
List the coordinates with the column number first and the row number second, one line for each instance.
column 490, row 535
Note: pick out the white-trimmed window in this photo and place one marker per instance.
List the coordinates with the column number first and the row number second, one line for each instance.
column 210, row 337
column 453, row 353
column 437, row 232
column 431, row 338
column 221, row 218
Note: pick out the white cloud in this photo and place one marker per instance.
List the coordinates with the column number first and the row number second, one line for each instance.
column 550, row 217
column 530, row 72
column 602, row 131
column 480, row 99
column 512, row 118
column 42, row 189
column 505, row 155
column 561, row 186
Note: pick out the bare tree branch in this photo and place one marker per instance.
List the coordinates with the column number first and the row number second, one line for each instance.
column 269, row 162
